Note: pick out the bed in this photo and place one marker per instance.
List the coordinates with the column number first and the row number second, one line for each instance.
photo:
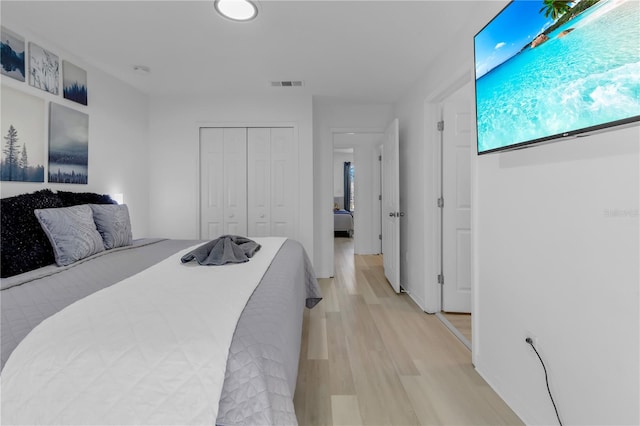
column 342, row 219
column 43, row 313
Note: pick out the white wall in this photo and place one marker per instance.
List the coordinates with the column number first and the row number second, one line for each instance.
column 329, row 116
column 118, row 136
column 558, row 257
column 174, row 150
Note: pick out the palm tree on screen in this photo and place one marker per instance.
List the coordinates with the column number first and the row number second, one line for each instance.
column 555, row 8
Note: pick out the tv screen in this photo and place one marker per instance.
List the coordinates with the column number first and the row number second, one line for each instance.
column 549, row 69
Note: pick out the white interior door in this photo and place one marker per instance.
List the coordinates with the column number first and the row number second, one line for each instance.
column 456, row 224
column 391, row 205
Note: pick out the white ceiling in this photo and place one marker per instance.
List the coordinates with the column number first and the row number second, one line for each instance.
column 369, row 51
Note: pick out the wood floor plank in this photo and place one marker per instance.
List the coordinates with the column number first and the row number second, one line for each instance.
column 317, row 346
column 391, row 334
column 329, row 297
column 318, row 400
column 345, row 410
column 341, row 377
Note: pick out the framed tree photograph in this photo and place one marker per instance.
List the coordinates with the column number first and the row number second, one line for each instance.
column 12, row 54
column 74, row 83
column 44, row 69
column 68, row 145
column 22, row 125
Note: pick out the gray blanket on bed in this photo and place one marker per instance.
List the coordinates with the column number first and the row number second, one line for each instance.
column 263, row 358
column 223, row 250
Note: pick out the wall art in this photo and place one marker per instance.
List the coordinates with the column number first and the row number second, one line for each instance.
column 12, row 54
column 74, row 83
column 44, row 69
column 68, row 145
column 23, row 127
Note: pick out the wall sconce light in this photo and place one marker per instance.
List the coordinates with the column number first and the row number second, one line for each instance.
column 118, row 198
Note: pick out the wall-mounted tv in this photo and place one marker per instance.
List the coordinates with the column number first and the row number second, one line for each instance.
column 547, row 69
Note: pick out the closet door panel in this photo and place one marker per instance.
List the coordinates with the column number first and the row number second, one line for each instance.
column 259, row 181
column 284, row 182
column 211, row 183
column 235, row 181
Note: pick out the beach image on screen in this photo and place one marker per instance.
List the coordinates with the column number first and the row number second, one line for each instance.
column 548, row 68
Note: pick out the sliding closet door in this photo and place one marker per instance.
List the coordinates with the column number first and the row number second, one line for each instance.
column 284, row 182
column 235, row 181
column 259, row 181
column 272, row 171
column 211, row 183
column 223, row 182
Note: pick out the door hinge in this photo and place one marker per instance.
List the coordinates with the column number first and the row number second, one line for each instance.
column 380, row 236
column 440, row 279
column 441, row 125
column 379, row 157
column 441, row 202
column 379, row 197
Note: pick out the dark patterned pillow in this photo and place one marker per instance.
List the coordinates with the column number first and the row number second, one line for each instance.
column 76, row 198
column 24, row 246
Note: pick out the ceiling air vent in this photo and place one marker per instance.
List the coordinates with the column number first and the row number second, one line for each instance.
column 287, row 83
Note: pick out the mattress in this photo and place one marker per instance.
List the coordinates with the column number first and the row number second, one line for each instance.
column 262, row 364
column 343, row 221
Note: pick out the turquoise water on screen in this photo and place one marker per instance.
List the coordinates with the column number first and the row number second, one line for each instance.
column 586, row 78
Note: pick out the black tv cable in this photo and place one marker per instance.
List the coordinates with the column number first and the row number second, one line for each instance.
column 546, row 377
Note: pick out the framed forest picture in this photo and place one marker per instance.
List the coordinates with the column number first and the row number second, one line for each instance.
column 23, row 129
column 74, row 83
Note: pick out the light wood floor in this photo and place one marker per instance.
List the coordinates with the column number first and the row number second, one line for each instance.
column 372, row 357
column 460, row 321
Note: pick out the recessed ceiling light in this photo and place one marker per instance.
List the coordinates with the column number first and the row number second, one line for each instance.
column 236, row 10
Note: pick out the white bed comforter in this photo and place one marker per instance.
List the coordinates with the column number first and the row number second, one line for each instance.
column 151, row 349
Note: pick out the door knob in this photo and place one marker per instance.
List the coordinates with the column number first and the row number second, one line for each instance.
column 400, row 214
column 392, row 214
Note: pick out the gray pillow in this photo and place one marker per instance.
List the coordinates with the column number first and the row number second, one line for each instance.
column 113, row 223
column 71, row 231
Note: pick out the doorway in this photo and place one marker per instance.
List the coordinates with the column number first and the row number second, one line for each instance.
column 361, row 149
column 456, row 151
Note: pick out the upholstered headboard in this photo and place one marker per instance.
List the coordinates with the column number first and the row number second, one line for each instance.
column 24, row 246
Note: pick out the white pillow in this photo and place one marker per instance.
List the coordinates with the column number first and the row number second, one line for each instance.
column 113, row 223
column 71, row 231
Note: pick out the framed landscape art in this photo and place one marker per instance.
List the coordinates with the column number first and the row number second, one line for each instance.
column 12, row 57
column 22, row 129
column 68, row 145
column 74, row 83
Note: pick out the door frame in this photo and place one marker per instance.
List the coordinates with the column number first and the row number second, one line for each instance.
column 433, row 290
column 247, row 124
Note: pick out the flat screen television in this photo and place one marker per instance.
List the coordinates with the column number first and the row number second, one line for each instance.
column 553, row 69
